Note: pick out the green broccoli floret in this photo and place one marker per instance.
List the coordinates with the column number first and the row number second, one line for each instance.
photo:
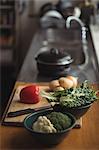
column 59, row 120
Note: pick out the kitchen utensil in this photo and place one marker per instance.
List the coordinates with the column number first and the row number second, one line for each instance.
column 27, row 111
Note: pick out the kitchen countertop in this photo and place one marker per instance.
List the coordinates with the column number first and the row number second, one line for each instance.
column 84, row 138
column 95, row 36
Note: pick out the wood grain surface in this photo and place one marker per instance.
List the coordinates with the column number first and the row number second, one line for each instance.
column 86, row 138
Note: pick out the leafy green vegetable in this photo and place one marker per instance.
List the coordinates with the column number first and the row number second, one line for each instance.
column 49, row 96
column 59, row 120
column 74, row 97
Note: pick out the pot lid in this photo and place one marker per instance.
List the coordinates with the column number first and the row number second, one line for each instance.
column 54, row 57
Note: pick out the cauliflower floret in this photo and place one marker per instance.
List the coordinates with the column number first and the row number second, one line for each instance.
column 44, row 125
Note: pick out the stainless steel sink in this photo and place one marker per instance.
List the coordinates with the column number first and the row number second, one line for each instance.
column 85, row 65
column 70, row 40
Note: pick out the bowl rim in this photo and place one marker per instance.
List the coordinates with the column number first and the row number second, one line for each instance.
column 47, row 110
column 79, row 107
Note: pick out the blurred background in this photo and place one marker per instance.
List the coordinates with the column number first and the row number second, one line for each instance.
column 21, row 19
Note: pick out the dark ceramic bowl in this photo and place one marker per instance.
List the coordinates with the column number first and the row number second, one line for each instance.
column 75, row 111
column 47, row 138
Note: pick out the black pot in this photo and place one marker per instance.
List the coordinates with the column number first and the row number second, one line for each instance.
column 53, row 61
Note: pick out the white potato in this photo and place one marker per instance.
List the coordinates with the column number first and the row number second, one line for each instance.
column 65, row 82
column 74, row 80
column 53, row 84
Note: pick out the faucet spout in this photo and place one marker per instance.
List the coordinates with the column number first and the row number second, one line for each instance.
column 83, row 28
column 70, row 18
column 83, row 36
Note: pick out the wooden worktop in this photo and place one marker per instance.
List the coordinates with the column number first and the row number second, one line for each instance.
column 85, row 138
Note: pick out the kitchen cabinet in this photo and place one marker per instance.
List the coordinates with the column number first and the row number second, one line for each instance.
column 7, row 48
column 7, row 32
column 16, row 33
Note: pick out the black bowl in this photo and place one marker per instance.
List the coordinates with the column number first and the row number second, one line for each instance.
column 75, row 111
column 47, row 138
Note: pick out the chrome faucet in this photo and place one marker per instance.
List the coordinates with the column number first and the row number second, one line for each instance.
column 83, row 36
column 83, row 28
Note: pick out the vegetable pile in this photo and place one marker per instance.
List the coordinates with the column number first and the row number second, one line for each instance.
column 73, row 97
column 52, row 123
column 63, row 83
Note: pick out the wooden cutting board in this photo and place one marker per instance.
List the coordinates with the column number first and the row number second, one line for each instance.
column 14, row 104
